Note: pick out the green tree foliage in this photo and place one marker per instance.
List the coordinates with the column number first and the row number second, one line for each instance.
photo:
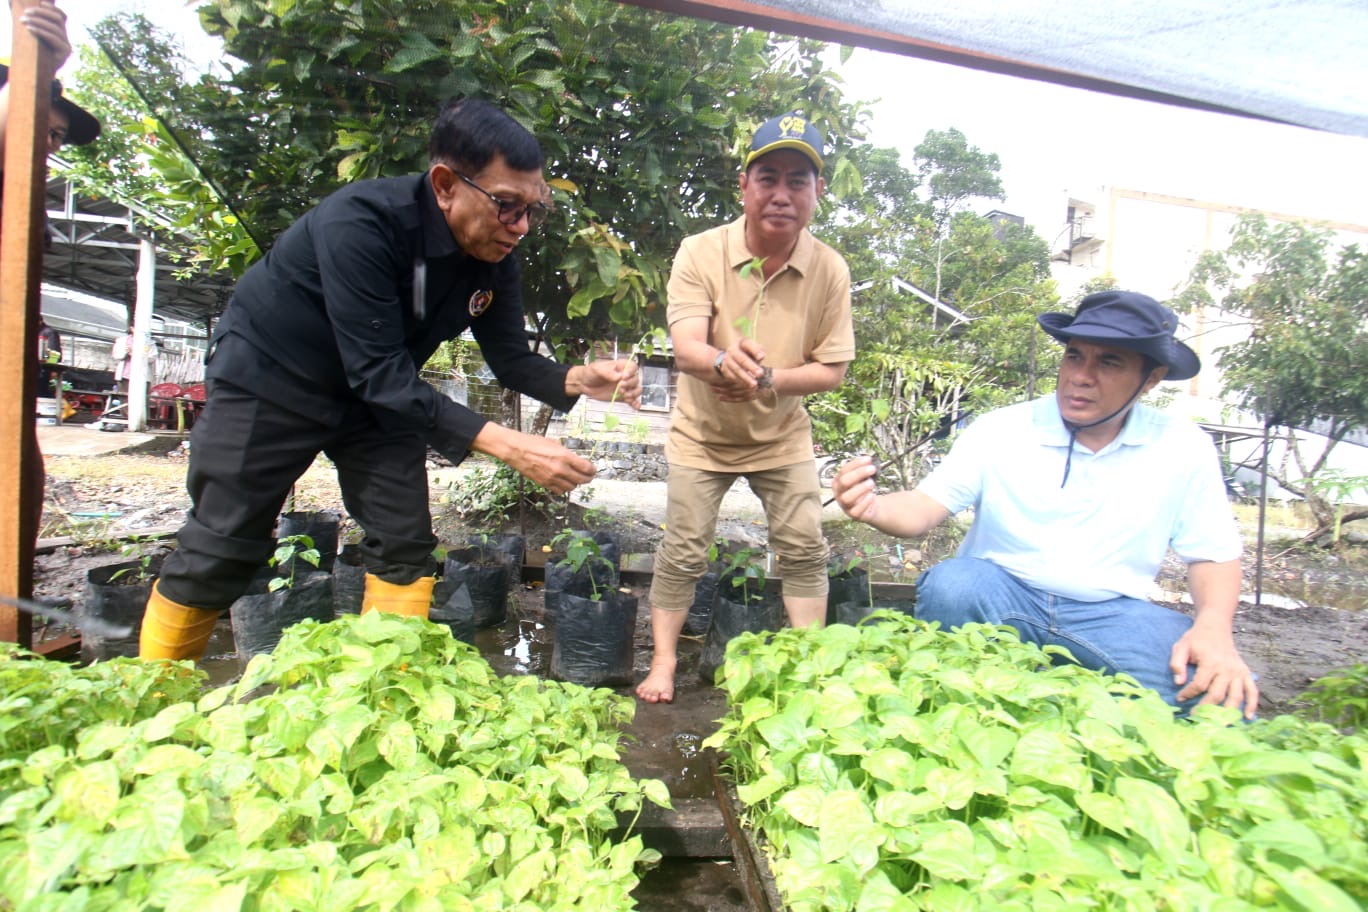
column 134, row 79
column 1305, row 359
column 642, row 117
column 917, row 369
column 954, row 174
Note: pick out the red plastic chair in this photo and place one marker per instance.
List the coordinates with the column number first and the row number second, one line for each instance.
column 162, row 405
column 193, row 397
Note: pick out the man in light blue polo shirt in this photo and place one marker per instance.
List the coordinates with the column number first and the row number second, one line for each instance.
column 1077, row 497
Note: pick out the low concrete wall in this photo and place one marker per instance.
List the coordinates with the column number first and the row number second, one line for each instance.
column 620, row 459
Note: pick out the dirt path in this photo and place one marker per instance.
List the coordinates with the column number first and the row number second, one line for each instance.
column 111, row 496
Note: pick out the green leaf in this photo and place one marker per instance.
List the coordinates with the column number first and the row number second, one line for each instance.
column 164, row 724
column 1106, row 809
column 896, row 767
column 789, row 730
column 609, row 266
column 528, row 874
column 571, row 783
column 172, row 757
column 758, row 790
column 1289, row 837
column 254, row 816
column 989, row 746
column 1222, row 854
column 1310, row 891
column 1155, row 816
column 902, row 809
column 1051, row 757
column 89, row 792
column 847, row 829
column 398, row 745
column 417, row 49
column 947, row 850
column 952, row 787
column 208, row 895
column 583, row 299
column 1266, row 765
column 657, row 792
column 804, row 804
column 841, row 705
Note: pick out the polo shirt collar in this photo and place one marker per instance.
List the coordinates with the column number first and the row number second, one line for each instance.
column 1138, row 430
column 738, row 255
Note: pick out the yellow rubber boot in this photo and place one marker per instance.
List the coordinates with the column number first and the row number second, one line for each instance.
column 174, row 631
column 411, row 600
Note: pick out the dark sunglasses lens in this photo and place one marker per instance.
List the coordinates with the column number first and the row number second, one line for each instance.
column 536, row 215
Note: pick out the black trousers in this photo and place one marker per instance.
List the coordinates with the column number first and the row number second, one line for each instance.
column 246, row 453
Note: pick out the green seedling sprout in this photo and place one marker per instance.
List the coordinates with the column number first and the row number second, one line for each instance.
column 750, row 326
column 746, row 569
column 133, row 550
column 289, row 547
column 581, row 550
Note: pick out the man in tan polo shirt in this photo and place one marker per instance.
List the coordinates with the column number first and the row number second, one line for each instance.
column 750, row 342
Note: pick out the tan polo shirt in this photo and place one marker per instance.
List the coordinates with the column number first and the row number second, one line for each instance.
column 805, row 317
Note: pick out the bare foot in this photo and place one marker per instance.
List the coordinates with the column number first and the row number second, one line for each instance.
column 659, row 684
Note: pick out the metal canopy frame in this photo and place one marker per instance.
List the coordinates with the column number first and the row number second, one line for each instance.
column 95, row 248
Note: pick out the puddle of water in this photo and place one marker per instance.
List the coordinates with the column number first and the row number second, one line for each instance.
column 1300, row 592
column 1289, row 595
column 675, row 760
column 220, row 660
column 519, row 646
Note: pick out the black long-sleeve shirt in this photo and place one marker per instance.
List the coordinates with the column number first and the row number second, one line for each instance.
column 329, row 321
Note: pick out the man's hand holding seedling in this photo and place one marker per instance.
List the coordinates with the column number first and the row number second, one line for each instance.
column 741, row 376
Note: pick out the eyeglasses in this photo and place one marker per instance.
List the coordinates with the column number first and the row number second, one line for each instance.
column 511, row 212
column 56, row 136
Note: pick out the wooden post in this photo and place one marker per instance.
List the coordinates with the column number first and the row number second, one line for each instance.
column 21, row 265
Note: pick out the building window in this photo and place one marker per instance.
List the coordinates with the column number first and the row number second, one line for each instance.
column 655, row 388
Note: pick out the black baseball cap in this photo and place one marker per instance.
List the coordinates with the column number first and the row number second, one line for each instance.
column 82, row 127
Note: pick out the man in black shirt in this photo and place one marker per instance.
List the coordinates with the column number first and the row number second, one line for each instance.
column 319, row 351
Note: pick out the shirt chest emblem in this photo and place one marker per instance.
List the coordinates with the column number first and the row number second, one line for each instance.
column 480, row 301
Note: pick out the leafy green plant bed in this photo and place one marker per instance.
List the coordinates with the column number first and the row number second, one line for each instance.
column 369, row 763
column 893, row 766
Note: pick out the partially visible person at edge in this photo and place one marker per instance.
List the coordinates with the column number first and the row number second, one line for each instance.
column 68, row 123
column 49, row 353
column 1077, row 497
column 319, row 350
column 749, row 348
column 122, row 352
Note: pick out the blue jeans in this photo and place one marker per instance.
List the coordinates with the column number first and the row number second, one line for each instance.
column 1119, row 635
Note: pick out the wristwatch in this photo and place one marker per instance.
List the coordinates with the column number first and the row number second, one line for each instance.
column 717, row 362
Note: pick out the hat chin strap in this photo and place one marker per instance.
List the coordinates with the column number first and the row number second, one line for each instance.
column 1075, row 428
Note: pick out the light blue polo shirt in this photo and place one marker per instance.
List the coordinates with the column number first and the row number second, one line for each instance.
column 1104, row 534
